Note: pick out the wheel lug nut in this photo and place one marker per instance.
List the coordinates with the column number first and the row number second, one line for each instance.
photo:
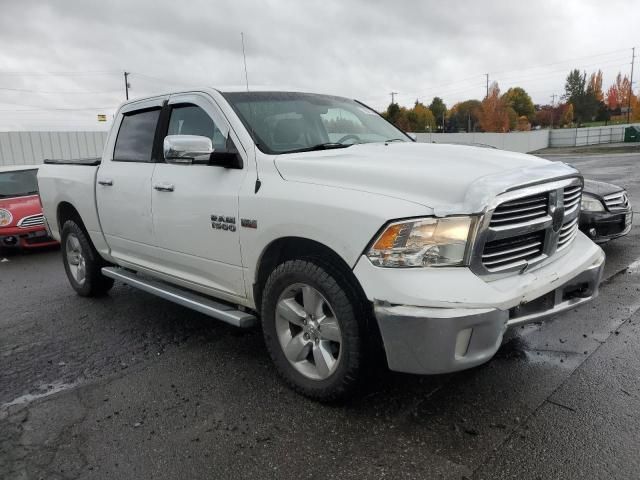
column 306, row 336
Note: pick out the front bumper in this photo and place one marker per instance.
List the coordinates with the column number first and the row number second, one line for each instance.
column 25, row 238
column 426, row 339
column 604, row 226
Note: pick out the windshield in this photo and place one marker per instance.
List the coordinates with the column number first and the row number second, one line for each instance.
column 18, row 183
column 286, row 122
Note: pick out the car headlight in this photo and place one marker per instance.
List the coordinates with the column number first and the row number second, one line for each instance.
column 590, row 203
column 5, row 217
column 423, row 242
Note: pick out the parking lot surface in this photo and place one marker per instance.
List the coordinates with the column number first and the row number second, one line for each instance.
column 131, row 386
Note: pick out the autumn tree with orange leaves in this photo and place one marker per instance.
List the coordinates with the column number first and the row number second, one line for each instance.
column 493, row 114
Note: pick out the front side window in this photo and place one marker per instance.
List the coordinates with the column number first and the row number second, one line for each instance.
column 136, row 135
column 287, row 122
column 18, row 183
column 193, row 120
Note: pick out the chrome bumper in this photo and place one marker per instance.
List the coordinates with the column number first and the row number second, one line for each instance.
column 427, row 340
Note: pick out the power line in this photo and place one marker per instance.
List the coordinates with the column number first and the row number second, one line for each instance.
column 48, row 92
column 55, row 74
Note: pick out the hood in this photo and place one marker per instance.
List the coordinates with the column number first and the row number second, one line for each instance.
column 600, row 189
column 447, row 178
column 21, row 207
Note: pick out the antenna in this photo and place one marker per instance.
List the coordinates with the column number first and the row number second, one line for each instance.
column 253, row 137
column 244, row 57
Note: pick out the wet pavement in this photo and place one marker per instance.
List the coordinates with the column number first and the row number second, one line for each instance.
column 131, row 386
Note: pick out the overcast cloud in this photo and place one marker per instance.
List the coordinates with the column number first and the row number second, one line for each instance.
column 361, row 49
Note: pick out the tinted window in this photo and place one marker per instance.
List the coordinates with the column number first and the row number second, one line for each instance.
column 135, row 138
column 193, row 120
column 283, row 122
column 18, row 184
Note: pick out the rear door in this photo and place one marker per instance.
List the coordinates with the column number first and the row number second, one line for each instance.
column 196, row 219
column 123, row 189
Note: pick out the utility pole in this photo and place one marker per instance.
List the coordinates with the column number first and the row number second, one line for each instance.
column 633, row 59
column 393, row 97
column 126, row 84
column 553, row 103
column 487, row 75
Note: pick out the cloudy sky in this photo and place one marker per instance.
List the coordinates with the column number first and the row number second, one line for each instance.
column 61, row 61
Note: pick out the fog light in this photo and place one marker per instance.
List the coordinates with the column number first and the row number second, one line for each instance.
column 462, row 342
column 10, row 241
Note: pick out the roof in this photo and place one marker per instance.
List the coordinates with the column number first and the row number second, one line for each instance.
column 17, row 168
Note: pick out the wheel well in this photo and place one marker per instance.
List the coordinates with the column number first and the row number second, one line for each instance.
column 290, row 248
column 66, row 211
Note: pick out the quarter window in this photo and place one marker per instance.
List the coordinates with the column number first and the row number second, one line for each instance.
column 136, row 135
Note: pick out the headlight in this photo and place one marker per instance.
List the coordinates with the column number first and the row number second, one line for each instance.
column 591, row 204
column 423, row 242
column 5, row 217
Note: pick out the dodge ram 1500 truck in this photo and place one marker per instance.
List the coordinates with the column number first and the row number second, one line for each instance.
column 336, row 230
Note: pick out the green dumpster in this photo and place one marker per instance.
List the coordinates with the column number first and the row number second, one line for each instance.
column 632, row 134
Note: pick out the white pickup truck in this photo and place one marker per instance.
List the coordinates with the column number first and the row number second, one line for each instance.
column 336, row 230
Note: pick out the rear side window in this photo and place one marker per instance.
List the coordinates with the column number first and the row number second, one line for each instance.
column 136, row 135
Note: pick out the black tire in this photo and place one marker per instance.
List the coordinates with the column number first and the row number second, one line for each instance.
column 349, row 311
column 94, row 283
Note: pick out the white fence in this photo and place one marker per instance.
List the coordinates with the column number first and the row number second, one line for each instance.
column 512, row 141
column 576, row 137
column 29, row 148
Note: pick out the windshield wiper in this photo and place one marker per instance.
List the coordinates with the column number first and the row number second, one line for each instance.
column 395, row 140
column 321, row 146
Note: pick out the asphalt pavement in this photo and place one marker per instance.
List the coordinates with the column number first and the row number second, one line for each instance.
column 131, row 386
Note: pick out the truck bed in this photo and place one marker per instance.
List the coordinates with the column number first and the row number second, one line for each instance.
column 61, row 182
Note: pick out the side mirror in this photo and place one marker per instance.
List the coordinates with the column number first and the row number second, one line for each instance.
column 187, row 149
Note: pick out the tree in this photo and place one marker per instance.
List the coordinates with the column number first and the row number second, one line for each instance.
column 582, row 97
column 439, row 109
column 493, row 115
column 595, row 85
column 417, row 119
column 463, row 116
column 518, row 99
column 424, row 118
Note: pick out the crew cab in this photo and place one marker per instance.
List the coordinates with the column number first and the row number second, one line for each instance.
column 21, row 219
column 317, row 218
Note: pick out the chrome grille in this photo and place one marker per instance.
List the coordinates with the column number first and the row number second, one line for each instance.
column 527, row 227
column 568, row 232
column 572, row 196
column 31, row 221
column 617, row 201
column 520, row 210
column 512, row 252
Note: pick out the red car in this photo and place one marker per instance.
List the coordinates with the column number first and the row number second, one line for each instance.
column 22, row 223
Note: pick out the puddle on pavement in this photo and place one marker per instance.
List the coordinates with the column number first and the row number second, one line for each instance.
column 46, row 390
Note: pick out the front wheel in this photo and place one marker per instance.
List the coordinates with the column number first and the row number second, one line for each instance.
column 82, row 262
column 313, row 329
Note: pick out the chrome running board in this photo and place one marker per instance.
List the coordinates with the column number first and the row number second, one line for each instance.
column 192, row 300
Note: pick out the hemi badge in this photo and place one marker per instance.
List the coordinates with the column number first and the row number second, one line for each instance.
column 248, row 223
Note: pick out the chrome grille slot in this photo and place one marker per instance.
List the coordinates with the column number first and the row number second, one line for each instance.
column 572, row 197
column 513, row 251
column 617, row 201
column 520, row 210
column 31, row 221
column 567, row 233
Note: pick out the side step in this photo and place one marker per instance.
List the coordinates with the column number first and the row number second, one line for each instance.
column 191, row 300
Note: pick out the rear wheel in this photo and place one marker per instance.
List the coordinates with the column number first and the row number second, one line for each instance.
column 314, row 329
column 82, row 262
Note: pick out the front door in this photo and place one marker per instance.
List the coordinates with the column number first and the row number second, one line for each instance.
column 195, row 207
